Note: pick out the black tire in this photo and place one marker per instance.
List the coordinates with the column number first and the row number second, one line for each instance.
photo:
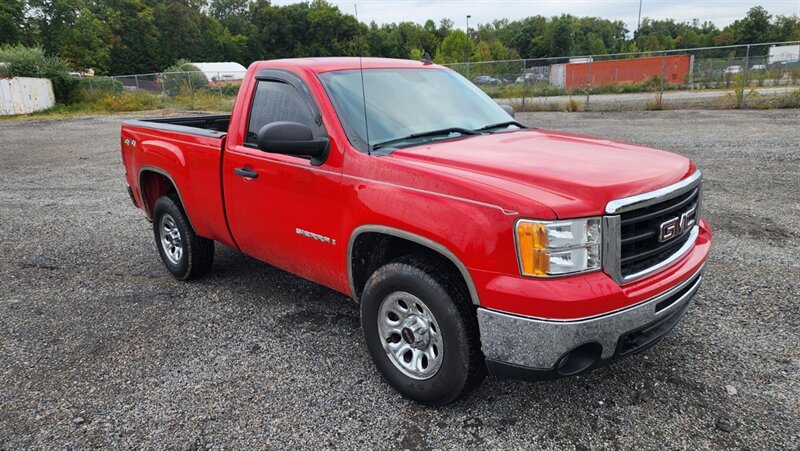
column 462, row 367
column 197, row 255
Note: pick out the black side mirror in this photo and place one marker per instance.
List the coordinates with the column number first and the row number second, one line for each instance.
column 508, row 109
column 292, row 138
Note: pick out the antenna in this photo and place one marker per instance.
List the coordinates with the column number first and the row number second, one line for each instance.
column 364, row 98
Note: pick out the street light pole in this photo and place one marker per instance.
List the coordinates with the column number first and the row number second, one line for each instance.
column 468, row 56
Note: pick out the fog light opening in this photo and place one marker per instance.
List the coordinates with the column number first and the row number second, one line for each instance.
column 579, row 359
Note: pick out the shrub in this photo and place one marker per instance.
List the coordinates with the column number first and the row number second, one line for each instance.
column 790, row 100
column 203, row 100
column 183, row 75
column 654, row 105
column 572, row 105
column 93, row 88
column 24, row 61
column 230, row 89
column 129, row 101
column 100, row 84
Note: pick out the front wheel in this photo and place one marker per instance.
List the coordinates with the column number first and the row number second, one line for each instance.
column 421, row 331
column 184, row 254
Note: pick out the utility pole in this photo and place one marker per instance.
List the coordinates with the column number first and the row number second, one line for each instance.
column 468, row 56
column 639, row 25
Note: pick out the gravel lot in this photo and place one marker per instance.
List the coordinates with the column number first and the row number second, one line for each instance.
column 101, row 348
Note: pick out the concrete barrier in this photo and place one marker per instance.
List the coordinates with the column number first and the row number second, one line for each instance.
column 21, row 95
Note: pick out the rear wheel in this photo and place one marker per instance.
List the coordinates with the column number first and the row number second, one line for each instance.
column 421, row 331
column 184, row 254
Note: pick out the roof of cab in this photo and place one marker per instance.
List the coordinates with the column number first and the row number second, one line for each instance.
column 329, row 64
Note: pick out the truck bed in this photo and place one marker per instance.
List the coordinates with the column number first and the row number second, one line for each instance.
column 213, row 126
column 187, row 152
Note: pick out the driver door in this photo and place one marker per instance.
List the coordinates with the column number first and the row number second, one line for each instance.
column 281, row 209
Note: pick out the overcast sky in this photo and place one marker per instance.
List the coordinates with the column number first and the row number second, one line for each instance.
column 721, row 12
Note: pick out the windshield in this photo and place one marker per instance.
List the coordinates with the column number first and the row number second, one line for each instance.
column 405, row 102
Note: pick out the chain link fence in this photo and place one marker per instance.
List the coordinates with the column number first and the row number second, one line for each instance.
column 756, row 75
column 193, row 90
column 753, row 76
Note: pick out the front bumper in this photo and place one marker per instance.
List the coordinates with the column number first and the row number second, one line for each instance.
column 517, row 346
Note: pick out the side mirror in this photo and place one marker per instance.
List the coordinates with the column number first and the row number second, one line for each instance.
column 292, row 138
column 508, row 108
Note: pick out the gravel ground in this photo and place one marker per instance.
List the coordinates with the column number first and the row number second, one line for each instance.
column 101, row 348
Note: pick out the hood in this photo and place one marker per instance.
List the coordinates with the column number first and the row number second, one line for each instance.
column 574, row 175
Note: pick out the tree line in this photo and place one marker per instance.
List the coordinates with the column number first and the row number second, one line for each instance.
column 138, row 36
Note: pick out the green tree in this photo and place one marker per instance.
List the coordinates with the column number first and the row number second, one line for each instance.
column 86, row 44
column 224, row 9
column 136, row 44
column 596, row 45
column 445, row 27
column 455, row 48
column 753, row 28
column 559, row 36
column 786, row 28
column 12, row 14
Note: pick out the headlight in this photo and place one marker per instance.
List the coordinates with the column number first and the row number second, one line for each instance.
column 555, row 248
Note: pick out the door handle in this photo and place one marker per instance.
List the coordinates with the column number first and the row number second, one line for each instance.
column 243, row 172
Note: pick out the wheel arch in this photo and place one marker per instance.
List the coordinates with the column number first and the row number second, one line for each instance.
column 164, row 184
column 431, row 245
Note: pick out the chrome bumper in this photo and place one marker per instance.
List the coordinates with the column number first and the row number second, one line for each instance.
column 540, row 344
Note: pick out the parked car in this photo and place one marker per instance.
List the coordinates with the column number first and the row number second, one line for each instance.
column 759, row 68
column 731, row 70
column 488, row 80
column 530, row 78
column 470, row 241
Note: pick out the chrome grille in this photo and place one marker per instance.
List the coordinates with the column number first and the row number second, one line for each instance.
column 640, row 230
column 644, row 233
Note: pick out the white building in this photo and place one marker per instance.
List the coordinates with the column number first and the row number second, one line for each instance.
column 215, row 72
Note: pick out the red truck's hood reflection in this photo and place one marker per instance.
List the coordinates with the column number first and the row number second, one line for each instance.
column 572, row 174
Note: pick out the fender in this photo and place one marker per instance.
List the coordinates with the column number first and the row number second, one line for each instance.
column 430, row 244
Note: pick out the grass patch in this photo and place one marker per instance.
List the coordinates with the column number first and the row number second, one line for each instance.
column 518, row 90
column 790, row 100
column 203, row 100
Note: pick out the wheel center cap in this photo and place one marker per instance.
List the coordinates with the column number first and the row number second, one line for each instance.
column 408, row 335
column 415, row 332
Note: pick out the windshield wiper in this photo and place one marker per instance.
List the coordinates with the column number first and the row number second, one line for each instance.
column 442, row 131
column 498, row 125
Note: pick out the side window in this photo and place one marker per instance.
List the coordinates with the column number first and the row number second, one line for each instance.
column 275, row 101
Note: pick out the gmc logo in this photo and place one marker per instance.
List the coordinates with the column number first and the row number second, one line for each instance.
column 676, row 226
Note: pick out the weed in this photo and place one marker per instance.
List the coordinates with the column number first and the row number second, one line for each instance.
column 654, row 105
column 572, row 105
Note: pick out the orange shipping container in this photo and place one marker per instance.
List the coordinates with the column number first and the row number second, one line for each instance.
column 634, row 70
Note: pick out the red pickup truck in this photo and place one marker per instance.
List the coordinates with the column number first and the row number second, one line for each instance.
column 471, row 241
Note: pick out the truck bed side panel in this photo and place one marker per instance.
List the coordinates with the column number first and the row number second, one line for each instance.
column 192, row 162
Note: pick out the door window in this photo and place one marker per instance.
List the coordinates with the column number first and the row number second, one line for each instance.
column 276, row 101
